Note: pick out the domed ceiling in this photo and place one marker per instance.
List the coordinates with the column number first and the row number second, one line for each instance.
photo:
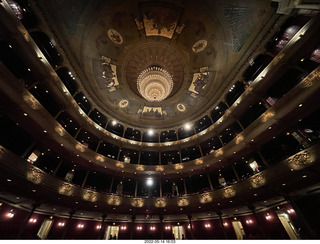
column 109, row 44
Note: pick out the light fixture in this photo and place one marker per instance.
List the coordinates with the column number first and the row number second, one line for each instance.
column 149, row 182
column 33, row 220
column 150, row 132
column 187, row 126
column 154, row 84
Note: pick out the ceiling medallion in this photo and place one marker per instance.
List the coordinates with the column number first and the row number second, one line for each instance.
column 154, row 84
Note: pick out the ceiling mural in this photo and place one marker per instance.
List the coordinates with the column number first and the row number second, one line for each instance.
column 160, row 20
column 113, row 44
column 106, row 74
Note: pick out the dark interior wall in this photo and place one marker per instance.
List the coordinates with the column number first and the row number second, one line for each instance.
column 272, row 228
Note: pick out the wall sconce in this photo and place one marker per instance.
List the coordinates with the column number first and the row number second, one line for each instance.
column 153, row 228
column 80, row 226
column 207, row 226
column 290, row 211
column 139, row 227
column 61, row 224
column 249, row 221
column 268, row 216
column 32, row 220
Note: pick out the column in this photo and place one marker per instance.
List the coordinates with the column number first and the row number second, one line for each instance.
column 71, row 213
column 98, row 146
column 111, row 185
column 133, row 218
column 58, row 167
column 58, row 114
column 34, row 207
column 103, row 226
column 160, row 188
column 262, row 158
column 200, row 149
column 161, row 227
column 220, row 138
column 219, row 213
column 28, row 150
column 263, row 235
column 185, row 187
column 85, row 179
column 139, row 156
column 307, row 231
column 190, row 222
column 210, row 184
column 136, row 189
column 118, row 156
column 77, row 133
column 236, row 173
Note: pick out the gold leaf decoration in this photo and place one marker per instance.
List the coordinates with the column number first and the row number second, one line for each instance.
column 137, row 202
column 114, row 200
column 59, row 129
column 80, row 147
column 160, row 203
column 229, row 192
column 140, row 167
column 198, row 162
column 35, row 175
column 205, row 197
column 183, row 201
column 100, row 158
column 178, row 166
column 120, row 165
column 159, row 168
column 310, row 79
column 239, row 139
column 90, row 196
column 300, row 161
column 267, row 115
column 66, row 189
column 31, row 101
column 258, row 180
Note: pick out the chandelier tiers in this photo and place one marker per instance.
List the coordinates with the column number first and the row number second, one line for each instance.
column 154, row 84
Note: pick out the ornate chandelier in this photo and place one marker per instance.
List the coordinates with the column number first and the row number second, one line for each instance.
column 154, row 84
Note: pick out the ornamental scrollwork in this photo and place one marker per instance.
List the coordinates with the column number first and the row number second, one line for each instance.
column 182, row 202
column 66, row 189
column 229, row 192
column 160, row 203
column 300, row 161
column 205, row 198
column 90, row 196
column 114, row 200
column 258, row 180
column 34, row 175
column 137, row 202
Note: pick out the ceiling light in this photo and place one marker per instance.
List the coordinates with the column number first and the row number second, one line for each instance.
column 149, row 182
column 154, row 84
column 150, row 132
column 114, row 122
column 187, row 126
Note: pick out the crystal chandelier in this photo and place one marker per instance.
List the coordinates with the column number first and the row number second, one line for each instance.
column 154, row 84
